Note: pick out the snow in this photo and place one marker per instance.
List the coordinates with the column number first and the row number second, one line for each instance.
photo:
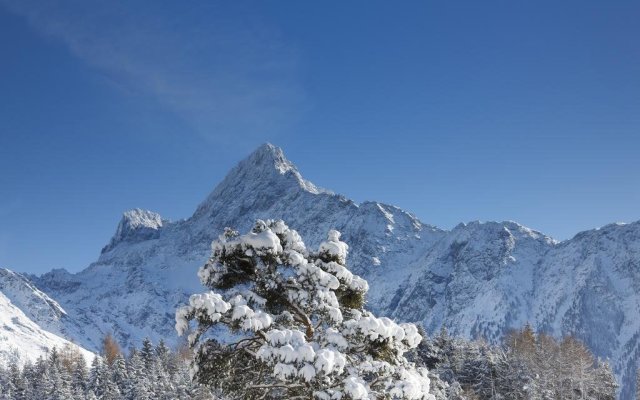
column 412, row 385
column 265, row 241
column 284, row 336
column 22, row 340
column 334, row 247
column 334, row 337
column 308, row 372
column 355, row 388
column 313, row 272
column 329, row 361
column 213, row 304
column 383, row 329
column 478, row 279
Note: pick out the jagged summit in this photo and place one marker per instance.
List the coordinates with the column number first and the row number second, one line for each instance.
column 510, row 226
column 136, row 225
column 617, row 231
column 266, row 171
column 268, row 155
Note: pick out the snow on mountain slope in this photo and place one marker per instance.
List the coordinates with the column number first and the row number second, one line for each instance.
column 22, row 340
column 479, row 279
column 34, row 303
column 150, row 265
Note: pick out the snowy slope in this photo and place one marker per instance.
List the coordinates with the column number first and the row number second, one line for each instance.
column 479, row 279
column 23, row 340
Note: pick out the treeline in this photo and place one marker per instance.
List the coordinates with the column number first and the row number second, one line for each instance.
column 526, row 366
column 151, row 372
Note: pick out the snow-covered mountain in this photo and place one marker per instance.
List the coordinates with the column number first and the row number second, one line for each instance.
column 479, row 279
column 483, row 279
column 150, row 264
column 21, row 339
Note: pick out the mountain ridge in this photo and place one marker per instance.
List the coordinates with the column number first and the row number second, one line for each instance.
column 477, row 279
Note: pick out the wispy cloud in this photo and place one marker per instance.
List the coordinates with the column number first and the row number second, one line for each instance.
column 226, row 75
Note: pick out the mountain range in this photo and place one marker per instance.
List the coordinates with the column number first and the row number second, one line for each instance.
column 479, row 280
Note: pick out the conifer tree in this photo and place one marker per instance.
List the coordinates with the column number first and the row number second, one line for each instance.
column 606, row 384
column 162, row 355
column 295, row 322
column 147, row 353
column 119, row 374
column 79, row 377
column 16, row 383
column 96, row 378
column 139, row 386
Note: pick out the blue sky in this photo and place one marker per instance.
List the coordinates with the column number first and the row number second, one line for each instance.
column 455, row 111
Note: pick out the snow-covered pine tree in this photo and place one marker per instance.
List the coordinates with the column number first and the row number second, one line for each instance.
column 17, row 382
column 163, row 356
column 606, row 384
column 119, row 374
column 139, row 387
column 100, row 381
column 294, row 323
column 7, row 388
column 96, row 378
column 79, row 378
column 147, row 353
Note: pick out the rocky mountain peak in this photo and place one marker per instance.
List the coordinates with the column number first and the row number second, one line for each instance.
column 136, row 225
column 263, row 174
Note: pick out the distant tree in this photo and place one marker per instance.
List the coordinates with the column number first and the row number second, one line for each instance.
column 163, row 355
column 139, row 387
column 147, row 353
column 528, row 366
column 14, row 384
column 63, row 375
column 70, row 357
column 296, row 322
column 110, row 348
column 606, row 384
column 96, row 377
column 119, row 374
column 79, row 378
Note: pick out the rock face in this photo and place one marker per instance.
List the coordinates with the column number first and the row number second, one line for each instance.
column 136, row 226
column 478, row 280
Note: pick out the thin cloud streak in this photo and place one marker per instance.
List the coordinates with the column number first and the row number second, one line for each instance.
column 228, row 78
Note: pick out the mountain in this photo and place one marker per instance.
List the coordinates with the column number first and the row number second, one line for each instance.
column 484, row 279
column 150, row 264
column 478, row 280
column 21, row 339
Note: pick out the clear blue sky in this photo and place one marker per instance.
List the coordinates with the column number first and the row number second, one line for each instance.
column 455, row 111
